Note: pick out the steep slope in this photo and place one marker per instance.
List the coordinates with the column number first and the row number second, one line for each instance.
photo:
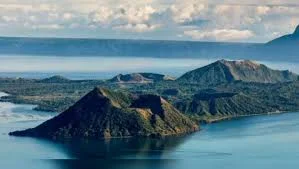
column 286, row 40
column 103, row 113
column 284, row 48
column 167, row 119
column 224, row 71
column 214, row 105
column 139, row 78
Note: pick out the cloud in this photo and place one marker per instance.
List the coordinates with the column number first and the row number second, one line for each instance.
column 137, row 15
column 262, row 10
column 157, row 19
column 9, row 19
column 102, row 16
column 186, row 12
column 67, row 16
column 220, row 34
column 46, row 26
column 137, row 27
column 27, row 7
column 128, row 18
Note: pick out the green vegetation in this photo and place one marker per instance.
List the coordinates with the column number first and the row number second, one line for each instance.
column 224, row 71
column 139, row 78
column 104, row 114
column 224, row 89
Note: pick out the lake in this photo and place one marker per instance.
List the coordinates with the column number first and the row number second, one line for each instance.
column 100, row 67
column 260, row 142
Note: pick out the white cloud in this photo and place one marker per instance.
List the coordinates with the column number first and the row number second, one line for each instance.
column 220, row 34
column 9, row 18
column 137, row 27
column 128, row 14
column 167, row 18
column 47, row 26
column 262, row 10
column 137, row 15
column 67, row 16
column 128, row 18
column 27, row 7
column 102, row 15
column 236, row 16
column 186, row 12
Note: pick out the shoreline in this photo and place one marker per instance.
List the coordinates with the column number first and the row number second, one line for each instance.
column 3, row 94
column 200, row 121
column 220, row 119
column 10, row 98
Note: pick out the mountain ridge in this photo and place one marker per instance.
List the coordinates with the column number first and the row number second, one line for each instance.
column 139, row 78
column 210, row 105
column 296, row 31
column 103, row 113
column 55, row 79
column 279, row 49
column 225, row 71
column 286, row 41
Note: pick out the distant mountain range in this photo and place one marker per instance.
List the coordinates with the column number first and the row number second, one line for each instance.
column 286, row 40
column 55, row 79
column 285, row 46
column 281, row 49
column 118, row 47
column 139, row 78
column 224, row 71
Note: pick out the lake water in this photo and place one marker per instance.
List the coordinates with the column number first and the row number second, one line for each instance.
column 106, row 67
column 259, row 142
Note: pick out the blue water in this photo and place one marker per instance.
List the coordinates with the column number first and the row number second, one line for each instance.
column 260, row 142
column 106, row 67
column 92, row 67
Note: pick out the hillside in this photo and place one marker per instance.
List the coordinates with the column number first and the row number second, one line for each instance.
column 239, row 88
column 209, row 105
column 139, row 78
column 224, row 71
column 290, row 40
column 284, row 48
column 55, row 79
column 103, row 114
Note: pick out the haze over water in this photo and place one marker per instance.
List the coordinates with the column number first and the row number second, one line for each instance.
column 100, row 67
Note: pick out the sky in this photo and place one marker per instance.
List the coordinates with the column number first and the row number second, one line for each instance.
column 200, row 20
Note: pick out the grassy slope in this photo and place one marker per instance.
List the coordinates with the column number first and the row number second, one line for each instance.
column 105, row 113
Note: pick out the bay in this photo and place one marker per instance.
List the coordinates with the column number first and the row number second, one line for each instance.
column 270, row 141
column 101, row 67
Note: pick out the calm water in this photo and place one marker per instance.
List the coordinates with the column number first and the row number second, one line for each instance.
column 106, row 67
column 255, row 142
